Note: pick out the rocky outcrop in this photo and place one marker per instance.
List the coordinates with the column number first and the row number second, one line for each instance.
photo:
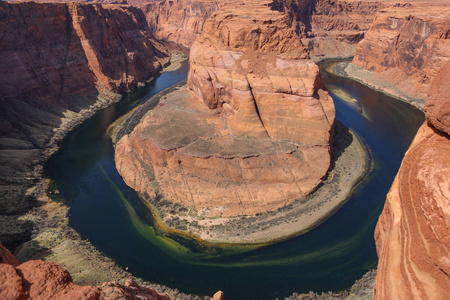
column 407, row 45
column 58, row 64
column 330, row 28
column 40, row 280
column 412, row 234
column 179, row 21
column 254, row 134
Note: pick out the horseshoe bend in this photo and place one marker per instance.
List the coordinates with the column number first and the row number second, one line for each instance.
column 169, row 149
column 250, row 134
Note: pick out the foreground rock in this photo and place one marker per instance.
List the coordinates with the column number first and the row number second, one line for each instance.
column 39, row 280
column 412, row 234
column 405, row 48
column 256, row 136
column 59, row 63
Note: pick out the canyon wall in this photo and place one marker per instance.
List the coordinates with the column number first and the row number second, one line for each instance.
column 58, row 64
column 407, row 45
column 329, row 28
column 252, row 136
column 412, row 234
column 179, row 21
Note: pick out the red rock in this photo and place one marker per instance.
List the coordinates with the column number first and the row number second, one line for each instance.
column 256, row 136
column 412, row 235
column 407, row 45
column 6, row 257
column 11, row 284
column 44, row 280
column 437, row 110
column 330, row 28
column 40, row 280
column 179, row 21
column 218, row 296
column 55, row 60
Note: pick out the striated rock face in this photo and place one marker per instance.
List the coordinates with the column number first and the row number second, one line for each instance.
column 330, row 28
column 256, row 70
column 254, row 134
column 55, row 60
column 407, row 45
column 179, row 21
column 412, row 234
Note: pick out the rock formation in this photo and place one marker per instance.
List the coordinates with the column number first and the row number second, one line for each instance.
column 412, row 234
column 407, row 45
column 330, row 28
column 58, row 64
column 40, row 280
column 254, row 134
column 179, row 21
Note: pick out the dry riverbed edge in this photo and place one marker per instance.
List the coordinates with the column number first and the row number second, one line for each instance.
column 347, row 69
column 351, row 163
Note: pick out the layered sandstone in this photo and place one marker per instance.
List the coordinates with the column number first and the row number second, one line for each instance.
column 331, row 28
column 58, row 64
column 254, row 133
column 412, row 234
column 407, row 45
column 179, row 21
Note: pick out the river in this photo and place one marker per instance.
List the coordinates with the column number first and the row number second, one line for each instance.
column 330, row 257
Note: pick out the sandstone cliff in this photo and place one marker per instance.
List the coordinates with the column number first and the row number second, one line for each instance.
column 179, row 21
column 256, row 135
column 412, row 234
column 407, row 45
column 58, row 64
column 330, row 28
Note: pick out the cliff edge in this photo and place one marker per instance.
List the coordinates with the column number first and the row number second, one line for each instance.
column 412, row 234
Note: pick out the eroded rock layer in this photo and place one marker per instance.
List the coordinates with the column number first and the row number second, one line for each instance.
column 412, row 234
column 254, row 134
column 55, row 60
column 179, row 21
column 330, row 28
column 407, row 45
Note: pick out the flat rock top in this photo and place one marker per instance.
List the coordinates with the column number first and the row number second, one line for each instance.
column 181, row 122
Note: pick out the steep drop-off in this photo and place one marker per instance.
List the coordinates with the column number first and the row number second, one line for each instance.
column 406, row 47
column 254, row 134
column 412, row 234
column 58, row 64
column 179, row 21
column 330, row 28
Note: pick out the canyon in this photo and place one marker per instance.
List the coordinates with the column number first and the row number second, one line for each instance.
column 412, row 238
column 252, row 136
column 49, row 83
column 57, row 73
column 404, row 49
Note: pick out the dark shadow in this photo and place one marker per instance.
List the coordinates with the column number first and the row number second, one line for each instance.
column 342, row 139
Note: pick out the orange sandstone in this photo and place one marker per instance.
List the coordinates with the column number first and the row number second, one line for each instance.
column 254, row 134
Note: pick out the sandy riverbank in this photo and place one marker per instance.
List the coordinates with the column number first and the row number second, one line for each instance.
column 346, row 69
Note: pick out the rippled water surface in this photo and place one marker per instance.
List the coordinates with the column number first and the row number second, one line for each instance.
column 330, row 257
